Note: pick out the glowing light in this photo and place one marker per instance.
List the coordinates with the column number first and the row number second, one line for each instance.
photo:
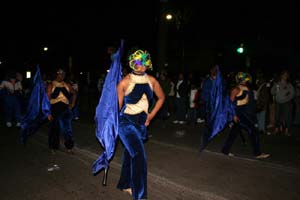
column 45, row 48
column 240, row 50
column 28, row 74
column 169, row 16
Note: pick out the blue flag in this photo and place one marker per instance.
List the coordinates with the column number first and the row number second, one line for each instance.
column 219, row 109
column 38, row 108
column 107, row 113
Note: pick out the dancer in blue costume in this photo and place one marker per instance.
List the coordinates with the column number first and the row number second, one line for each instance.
column 135, row 92
column 59, row 93
column 245, row 116
column 218, row 108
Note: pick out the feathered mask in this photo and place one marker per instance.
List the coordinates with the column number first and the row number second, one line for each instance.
column 242, row 77
column 140, row 57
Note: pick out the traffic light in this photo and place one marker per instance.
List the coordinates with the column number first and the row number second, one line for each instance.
column 240, row 50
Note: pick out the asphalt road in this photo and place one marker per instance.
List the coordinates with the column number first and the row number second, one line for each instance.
column 176, row 170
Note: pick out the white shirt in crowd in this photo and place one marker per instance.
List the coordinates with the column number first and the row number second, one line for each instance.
column 11, row 88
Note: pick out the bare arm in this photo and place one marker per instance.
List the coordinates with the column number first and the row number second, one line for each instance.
column 72, row 91
column 49, row 91
column 160, row 99
column 234, row 92
column 121, row 88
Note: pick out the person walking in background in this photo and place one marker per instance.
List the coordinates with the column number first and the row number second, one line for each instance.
column 284, row 93
column 11, row 98
column 60, row 93
column 262, row 100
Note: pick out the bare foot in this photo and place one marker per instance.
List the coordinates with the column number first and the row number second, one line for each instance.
column 263, row 155
column 70, row 151
column 128, row 191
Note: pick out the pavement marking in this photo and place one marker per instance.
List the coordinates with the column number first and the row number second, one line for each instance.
column 261, row 162
column 153, row 177
column 159, row 179
column 165, row 182
column 239, row 157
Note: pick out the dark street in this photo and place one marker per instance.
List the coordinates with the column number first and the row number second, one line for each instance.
column 176, row 169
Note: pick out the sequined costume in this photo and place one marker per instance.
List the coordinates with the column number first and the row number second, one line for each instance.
column 132, row 133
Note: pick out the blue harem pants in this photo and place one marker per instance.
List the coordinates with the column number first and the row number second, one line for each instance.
column 132, row 132
column 61, row 124
column 247, row 124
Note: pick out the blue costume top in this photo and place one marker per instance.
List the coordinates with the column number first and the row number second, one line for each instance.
column 136, row 102
column 245, row 105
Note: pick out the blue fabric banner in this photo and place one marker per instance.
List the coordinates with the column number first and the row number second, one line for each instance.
column 219, row 110
column 107, row 112
column 38, row 108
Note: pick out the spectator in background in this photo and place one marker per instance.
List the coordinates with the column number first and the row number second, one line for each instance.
column 171, row 96
column 181, row 95
column 74, row 84
column 166, row 87
column 262, row 97
column 12, row 92
column 297, row 101
column 284, row 93
column 22, row 97
column 193, row 104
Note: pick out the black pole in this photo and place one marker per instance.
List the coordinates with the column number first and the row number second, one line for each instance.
column 104, row 181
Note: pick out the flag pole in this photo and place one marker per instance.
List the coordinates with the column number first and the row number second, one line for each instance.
column 104, row 181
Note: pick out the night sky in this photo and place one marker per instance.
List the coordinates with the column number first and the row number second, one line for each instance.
column 85, row 31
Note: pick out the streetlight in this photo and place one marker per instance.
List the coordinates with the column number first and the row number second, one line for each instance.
column 45, row 48
column 169, row 17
